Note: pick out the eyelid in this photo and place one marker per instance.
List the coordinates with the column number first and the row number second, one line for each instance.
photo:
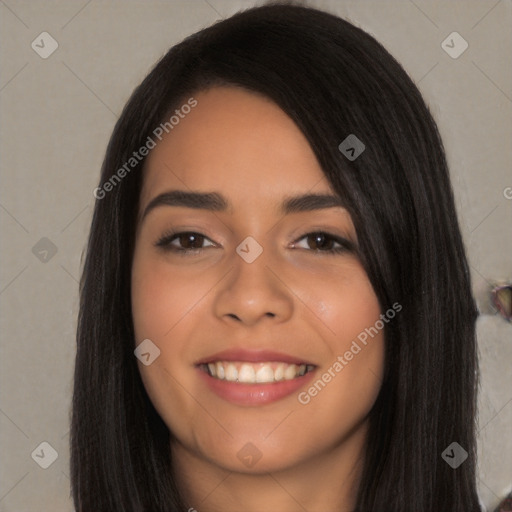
column 165, row 239
column 336, row 232
column 344, row 242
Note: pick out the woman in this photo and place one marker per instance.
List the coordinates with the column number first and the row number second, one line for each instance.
column 276, row 310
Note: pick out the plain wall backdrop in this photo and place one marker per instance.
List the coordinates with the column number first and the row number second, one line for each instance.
column 57, row 113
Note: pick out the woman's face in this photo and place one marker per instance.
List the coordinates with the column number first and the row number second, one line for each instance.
column 264, row 289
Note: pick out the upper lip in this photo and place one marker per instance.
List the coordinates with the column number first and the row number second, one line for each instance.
column 252, row 356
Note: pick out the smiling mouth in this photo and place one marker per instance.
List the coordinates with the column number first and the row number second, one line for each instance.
column 255, row 373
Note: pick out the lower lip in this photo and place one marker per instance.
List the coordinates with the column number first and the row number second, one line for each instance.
column 254, row 394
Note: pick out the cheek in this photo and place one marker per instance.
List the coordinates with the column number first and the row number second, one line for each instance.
column 161, row 297
column 153, row 304
column 160, row 303
column 349, row 314
column 344, row 304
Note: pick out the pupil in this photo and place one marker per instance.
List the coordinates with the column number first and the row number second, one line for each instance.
column 190, row 237
column 319, row 240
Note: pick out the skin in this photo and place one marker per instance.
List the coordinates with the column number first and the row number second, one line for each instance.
column 294, row 298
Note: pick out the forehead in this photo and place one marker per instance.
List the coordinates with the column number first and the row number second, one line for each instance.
column 235, row 141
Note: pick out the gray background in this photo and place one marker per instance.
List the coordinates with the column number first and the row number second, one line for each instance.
column 57, row 115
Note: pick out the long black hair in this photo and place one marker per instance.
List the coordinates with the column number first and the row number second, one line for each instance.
column 333, row 80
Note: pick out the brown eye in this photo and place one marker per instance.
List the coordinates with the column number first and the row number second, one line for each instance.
column 320, row 241
column 190, row 240
column 183, row 241
column 324, row 242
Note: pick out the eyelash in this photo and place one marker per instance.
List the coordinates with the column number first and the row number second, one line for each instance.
column 165, row 243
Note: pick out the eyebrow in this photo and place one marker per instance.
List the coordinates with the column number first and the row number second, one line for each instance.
column 215, row 202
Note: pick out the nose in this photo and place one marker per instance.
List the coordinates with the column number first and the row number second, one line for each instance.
column 252, row 293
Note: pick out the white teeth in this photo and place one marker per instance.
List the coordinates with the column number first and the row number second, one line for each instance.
column 246, row 373
column 265, row 374
column 290, row 372
column 279, row 373
column 221, row 374
column 251, row 373
column 231, row 373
